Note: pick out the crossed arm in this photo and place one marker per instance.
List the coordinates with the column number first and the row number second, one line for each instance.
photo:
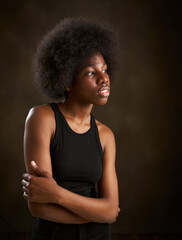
column 48, row 200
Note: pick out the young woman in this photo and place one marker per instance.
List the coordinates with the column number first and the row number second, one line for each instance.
column 71, row 183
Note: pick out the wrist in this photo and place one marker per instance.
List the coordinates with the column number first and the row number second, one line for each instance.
column 58, row 195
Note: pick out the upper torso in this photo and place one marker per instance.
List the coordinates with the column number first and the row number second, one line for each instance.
column 76, row 157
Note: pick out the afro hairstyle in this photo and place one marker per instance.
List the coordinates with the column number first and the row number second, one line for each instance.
column 63, row 49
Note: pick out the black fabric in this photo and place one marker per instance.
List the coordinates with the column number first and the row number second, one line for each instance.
column 46, row 230
column 77, row 166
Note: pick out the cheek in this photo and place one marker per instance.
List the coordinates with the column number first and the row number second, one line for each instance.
column 87, row 85
column 84, row 86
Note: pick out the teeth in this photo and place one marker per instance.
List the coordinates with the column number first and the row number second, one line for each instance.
column 104, row 91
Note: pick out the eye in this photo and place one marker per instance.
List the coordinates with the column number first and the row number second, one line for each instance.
column 90, row 73
column 105, row 71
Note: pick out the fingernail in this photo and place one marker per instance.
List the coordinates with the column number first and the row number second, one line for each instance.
column 33, row 163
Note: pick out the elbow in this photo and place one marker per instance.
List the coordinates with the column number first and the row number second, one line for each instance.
column 113, row 213
column 112, row 217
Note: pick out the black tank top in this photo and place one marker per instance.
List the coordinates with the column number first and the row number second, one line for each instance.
column 76, row 158
column 77, row 166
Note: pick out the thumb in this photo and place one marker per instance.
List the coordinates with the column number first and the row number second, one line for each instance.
column 38, row 171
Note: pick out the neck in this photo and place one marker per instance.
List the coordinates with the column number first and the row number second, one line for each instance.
column 75, row 110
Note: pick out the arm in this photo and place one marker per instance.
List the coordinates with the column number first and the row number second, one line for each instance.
column 103, row 209
column 39, row 129
column 55, row 213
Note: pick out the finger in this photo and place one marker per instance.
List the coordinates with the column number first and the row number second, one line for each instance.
column 37, row 170
column 26, row 190
column 25, row 183
column 27, row 176
column 26, row 196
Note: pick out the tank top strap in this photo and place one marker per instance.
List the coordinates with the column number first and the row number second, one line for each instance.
column 57, row 136
column 96, row 131
column 54, row 107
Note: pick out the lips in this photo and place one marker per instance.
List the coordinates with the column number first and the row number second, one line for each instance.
column 104, row 91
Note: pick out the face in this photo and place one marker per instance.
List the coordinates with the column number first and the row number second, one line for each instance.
column 92, row 84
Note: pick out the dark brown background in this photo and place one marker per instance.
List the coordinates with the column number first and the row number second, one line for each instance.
column 144, row 110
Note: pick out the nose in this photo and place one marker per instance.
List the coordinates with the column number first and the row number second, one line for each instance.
column 103, row 78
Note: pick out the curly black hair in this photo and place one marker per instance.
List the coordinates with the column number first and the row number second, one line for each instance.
column 63, row 49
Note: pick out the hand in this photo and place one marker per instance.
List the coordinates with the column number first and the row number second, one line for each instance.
column 41, row 188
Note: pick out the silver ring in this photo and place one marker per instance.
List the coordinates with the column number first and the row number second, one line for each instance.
column 25, row 194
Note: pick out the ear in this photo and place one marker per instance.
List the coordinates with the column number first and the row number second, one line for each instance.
column 68, row 89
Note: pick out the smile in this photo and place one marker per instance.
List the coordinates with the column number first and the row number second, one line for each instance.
column 104, row 92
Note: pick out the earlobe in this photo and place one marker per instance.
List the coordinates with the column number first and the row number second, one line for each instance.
column 68, row 89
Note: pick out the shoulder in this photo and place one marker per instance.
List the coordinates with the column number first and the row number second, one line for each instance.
column 106, row 135
column 40, row 117
column 41, row 112
column 104, row 130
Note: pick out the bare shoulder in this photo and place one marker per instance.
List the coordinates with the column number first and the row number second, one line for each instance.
column 106, row 135
column 41, row 117
column 104, row 130
column 41, row 112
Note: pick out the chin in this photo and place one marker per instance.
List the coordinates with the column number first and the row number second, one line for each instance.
column 101, row 102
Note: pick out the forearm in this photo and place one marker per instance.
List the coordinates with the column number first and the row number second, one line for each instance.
column 55, row 213
column 93, row 209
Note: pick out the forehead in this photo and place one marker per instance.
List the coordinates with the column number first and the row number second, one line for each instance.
column 94, row 60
